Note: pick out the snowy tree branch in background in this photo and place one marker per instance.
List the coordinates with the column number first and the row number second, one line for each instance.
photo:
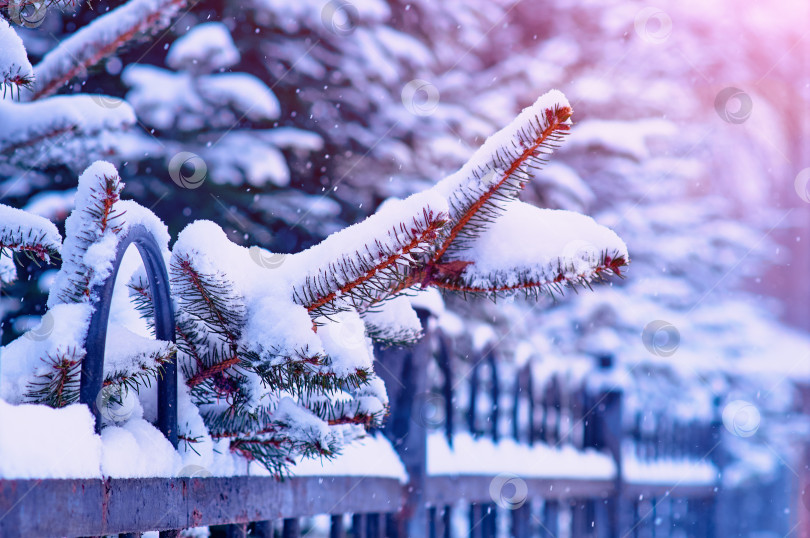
column 65, row 129
column 29, row 234
column 15, row 69
column 99, row 39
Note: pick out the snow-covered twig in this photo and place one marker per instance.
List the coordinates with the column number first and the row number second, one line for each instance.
column 15, row 69
column 99, row 39
column 28, row 234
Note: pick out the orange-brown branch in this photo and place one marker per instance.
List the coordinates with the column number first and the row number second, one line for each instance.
column 213, row 370
column 84, row 58
column 191, row 273
column 40, row 251
column 610, row 265
column 555, row 119
column 10, row 149
column 434, row 224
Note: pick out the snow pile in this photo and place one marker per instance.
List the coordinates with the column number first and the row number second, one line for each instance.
column 370, row 456
column 686, row 472
column 80, row 120
column 482, row 456
column 207, row 47
column 43, row 364
column 568, row 246
column 342, row 18
column 199, row 98
column 24, row 231
column 628, row 138
column 62, row 445
column 15, row 68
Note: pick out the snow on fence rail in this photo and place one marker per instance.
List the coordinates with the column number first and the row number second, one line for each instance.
column 548, row 474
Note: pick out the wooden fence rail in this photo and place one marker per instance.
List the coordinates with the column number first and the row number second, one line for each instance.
column 550, row 415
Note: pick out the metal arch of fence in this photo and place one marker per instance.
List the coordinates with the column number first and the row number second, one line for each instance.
column 372, row 507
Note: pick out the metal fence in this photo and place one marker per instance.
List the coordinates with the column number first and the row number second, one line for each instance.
column 553, row 414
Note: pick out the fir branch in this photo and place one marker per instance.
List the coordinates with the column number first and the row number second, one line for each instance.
column 365, row 278
column 100, row 39
column 304, row 375
column 141, row 297
column 59, row 385
column 213, row 370
column 608, row 265
column 27, row 234
column 54, row 131
column 208, row 298
column 149, row 367
column 189, row 441
column 12, row 79
column 534, row 141
column 30, row 243
column 93, row 221
column 15, row 69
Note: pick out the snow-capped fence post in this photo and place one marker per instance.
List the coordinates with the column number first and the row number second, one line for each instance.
column 607, row 435
column 445, row 353
column 92, row 372
column 404, row 371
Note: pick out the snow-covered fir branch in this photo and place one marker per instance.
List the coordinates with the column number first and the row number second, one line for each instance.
column 99, row 39
column 16, row 72
column 29, row 234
